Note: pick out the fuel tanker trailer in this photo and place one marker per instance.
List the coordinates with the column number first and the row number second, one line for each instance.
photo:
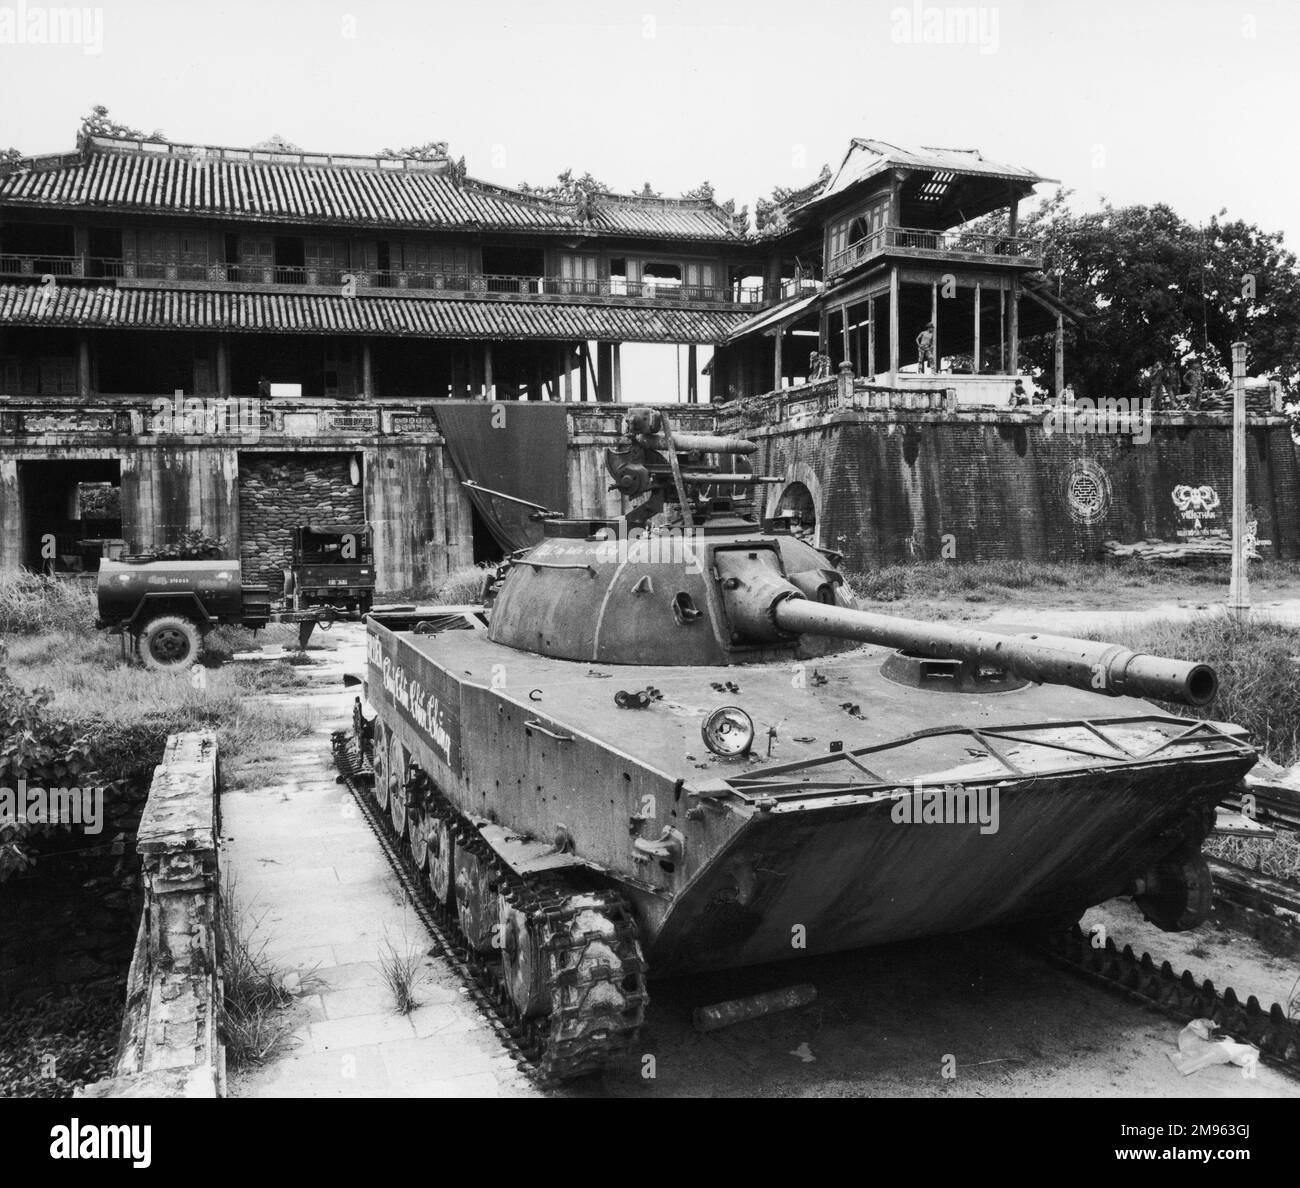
column 678, row 745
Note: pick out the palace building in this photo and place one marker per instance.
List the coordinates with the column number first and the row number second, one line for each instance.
column 234, row 342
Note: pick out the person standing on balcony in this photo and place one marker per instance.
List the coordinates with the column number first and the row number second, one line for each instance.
column 925, row 347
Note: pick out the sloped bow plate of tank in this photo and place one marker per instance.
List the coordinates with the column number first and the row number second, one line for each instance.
column 945, row 830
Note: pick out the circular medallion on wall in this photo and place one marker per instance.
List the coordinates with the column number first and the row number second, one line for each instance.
column 1087, row 491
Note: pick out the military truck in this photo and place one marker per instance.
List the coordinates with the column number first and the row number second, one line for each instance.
column 164, row 608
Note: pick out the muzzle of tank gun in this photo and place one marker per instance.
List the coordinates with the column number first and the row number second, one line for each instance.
column 1045, row 659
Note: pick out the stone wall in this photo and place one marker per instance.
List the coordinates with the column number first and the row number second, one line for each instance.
column 900, row 485
column 169, row 1044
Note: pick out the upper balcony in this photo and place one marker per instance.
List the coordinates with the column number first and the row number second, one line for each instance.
column 191, row 270
column 949, row 246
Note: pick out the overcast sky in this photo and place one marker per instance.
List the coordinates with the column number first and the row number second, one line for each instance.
column 1191, row 103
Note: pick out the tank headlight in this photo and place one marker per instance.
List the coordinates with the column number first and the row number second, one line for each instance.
column 728, row 731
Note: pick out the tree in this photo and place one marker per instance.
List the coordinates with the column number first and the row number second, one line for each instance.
column 98, row 123
column 1158, row 291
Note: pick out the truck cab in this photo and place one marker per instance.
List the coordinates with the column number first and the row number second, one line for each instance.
column 333, row 565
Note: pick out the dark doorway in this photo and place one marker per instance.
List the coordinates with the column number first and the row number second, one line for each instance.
column 513, row 269
column 487, row 549
column 290, row 260
column 68, row 508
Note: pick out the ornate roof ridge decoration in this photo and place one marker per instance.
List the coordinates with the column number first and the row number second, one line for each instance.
column 215, row 152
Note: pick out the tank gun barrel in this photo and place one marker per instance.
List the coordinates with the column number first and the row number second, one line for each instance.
column 701, row 443
column 1051, row 659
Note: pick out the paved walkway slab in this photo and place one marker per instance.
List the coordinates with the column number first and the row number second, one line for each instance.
column 305, row 866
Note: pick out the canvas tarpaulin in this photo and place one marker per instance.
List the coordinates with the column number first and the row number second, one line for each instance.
column 517, row 448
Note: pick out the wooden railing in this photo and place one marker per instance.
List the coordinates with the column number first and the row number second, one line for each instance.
column 917, row 241
column 470, row 284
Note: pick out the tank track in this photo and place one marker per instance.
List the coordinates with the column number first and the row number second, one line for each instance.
column 587, row 936
column 1275, row 1035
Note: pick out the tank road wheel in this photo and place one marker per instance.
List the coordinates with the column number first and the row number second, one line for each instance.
column 1178, row 893
column 441, row 846
column 525, row 966
column 418, row 819
column 398, row 773
column 476, row 900
column 380, row 763
column 169, row 643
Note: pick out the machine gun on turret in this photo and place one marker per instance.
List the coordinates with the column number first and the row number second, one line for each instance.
column 673, row 468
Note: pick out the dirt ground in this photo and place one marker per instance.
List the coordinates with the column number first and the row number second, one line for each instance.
column 976, row 1015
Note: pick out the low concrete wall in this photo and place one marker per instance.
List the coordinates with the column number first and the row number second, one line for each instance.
column 169, row 1045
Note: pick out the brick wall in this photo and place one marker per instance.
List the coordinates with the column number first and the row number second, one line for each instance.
column 280, row 492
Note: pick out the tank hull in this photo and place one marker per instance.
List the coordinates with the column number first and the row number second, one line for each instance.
column 820, row 880
column 823, row 844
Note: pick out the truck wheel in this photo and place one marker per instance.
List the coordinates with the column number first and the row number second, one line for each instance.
column 169, row 643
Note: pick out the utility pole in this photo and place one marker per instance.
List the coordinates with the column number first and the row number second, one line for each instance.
column 1239, row 590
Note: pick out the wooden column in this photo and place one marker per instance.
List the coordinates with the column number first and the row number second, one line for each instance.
column 223, row 365
column 893, row 326
column 871, row 338
column 1014, row 327
column 367, row 371
column 934, row 317
column 584, row 366
column 692, row 375
column 1002, row 331
column 618, row 372
column 976, row 367
column 84, row 385
column 1059, row 377
column 566, row 372
column 844, row 327
column 777, row 368
column 489, row 381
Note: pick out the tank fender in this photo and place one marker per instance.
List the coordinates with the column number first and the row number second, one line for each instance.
column 185, row 603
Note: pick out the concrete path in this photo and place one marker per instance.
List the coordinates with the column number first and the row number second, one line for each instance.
column 306, row 866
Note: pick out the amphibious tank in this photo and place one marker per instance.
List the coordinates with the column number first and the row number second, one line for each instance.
column 675, row 743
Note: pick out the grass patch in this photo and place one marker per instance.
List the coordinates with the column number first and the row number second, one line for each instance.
column 128, row 712
column 31, row 604
column 1259, row 677
column 462, row 586
column 401, row 971
column 254, row 1023
column 992, row 581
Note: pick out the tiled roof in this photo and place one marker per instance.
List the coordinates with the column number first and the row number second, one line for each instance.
column 866, row 157
column 105, row 307
column 158, row 178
